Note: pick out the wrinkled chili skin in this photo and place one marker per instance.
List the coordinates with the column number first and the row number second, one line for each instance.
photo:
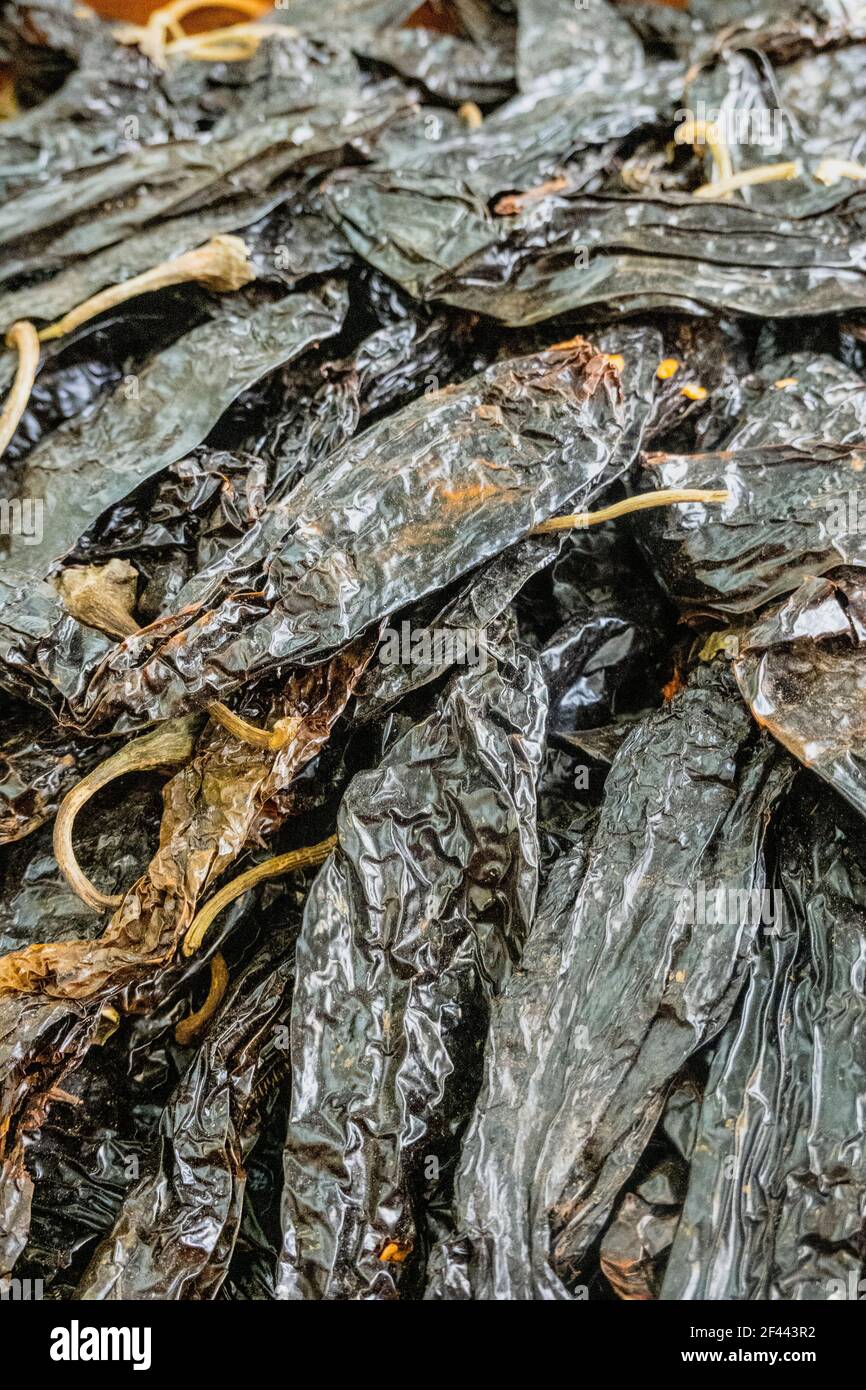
column 144, row 430
column 636, row 991
column 173, row 1237
column 801, row 669
column 408, row 507
column 427, row 940
column 789, row 451
column 776, row 1191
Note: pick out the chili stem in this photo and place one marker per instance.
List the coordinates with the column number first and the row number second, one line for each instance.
column 282, row 733
column 271, row 868
column 189, row 1028
column 221, row 264
column 749, row 178
column 23, row 338
column 168, row 745
column 643, row 502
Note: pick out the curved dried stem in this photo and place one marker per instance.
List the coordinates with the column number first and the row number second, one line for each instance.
column 271, row 868
column 232, row 44
column 189, row 1028
column 153, row 37
column 283, row 732
column 177, row 10
column 643, row 502
column 470, row 113
column 169, row 745
column 830, row 171
column 22, row 336
column 749, row 178
column 220, row 264
column 723, row 167
column 711, row 134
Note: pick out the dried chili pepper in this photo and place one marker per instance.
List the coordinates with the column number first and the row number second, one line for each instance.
column 432, row 607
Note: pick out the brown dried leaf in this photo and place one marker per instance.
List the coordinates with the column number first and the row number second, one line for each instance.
column 102, row 596
column 216, row 806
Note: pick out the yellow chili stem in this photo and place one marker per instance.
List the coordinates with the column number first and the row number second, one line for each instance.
column 221, row 264
column 189, row 1028
column 231, row 44
column 831, row 170
column 153, row 37
column 282, row 733
column 643, row 502
column 710, row 134
column 271, row 868
column 749, row 178
column 166, row 746
column 23, row 338
column 177, row 10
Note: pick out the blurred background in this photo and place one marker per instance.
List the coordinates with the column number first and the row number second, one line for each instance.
column 435, row 14
column 438, row 15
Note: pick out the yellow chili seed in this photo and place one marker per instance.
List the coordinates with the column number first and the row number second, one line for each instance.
column 668, row 367
column 394, row 1253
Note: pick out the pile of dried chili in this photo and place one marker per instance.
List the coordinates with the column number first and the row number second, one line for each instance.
column 433, row 650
